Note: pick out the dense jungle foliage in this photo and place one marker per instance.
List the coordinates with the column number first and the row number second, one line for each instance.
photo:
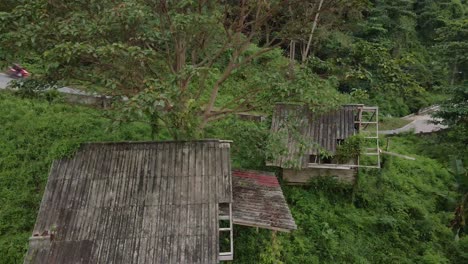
column 188, row 66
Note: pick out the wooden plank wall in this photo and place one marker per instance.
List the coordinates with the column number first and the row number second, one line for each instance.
column 135, row 203
column 301, row 177
column 320, row 131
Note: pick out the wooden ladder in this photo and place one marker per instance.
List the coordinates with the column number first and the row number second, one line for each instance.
column 368, row 116
column 229, row 255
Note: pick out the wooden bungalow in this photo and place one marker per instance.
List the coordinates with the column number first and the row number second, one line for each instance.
column 147, row 202
column 308, row 144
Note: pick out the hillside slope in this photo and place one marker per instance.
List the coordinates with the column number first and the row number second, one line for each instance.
column 399, row 214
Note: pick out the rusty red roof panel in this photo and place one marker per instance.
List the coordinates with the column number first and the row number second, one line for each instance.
column 259, row 177
column 259, row 201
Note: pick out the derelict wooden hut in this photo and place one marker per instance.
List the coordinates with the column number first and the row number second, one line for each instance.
column 148, row 202
column 309, row 141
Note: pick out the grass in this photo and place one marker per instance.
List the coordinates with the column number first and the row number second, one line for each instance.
column 389, row 123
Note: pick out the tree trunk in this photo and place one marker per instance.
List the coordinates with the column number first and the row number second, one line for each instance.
column 154, row 124
column 180, row 60
column 214, row 94
column 180, row 63
column 292, row 51
column 180, row 54
column 267, row 29
column 314, row 26
column 454, row 74
column 292, row 56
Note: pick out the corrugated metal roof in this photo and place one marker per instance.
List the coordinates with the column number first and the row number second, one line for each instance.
column 151, row 202
column 303, row 133
column 259, row 201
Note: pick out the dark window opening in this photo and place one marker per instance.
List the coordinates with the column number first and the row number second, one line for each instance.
column 321, row 160
column 223, row 210
column 313, row 159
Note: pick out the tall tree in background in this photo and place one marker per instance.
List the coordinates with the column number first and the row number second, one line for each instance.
column 454, row 113
column 310, row 20
column 443, row 24
column 453, row 44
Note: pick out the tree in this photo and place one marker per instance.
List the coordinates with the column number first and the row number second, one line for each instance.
column 181, row 51
column 306, row 20
column 454, row 112
column 452, row 43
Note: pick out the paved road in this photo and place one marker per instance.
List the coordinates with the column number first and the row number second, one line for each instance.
column 420, row 123
column 4, row 81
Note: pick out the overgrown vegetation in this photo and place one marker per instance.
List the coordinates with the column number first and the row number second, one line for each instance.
column 350, row 149
column 399, row 215
column 187, row 66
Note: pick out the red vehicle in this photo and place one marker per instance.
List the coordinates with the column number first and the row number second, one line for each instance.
column 17, row 71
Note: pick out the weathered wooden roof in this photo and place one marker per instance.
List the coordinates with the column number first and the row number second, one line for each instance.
column 302, row 133
column 259, row 201
column 154, row 202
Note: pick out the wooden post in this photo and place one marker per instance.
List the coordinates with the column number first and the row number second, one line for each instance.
column 355, row 187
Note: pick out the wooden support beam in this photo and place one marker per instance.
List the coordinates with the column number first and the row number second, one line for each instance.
column 398, row 155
